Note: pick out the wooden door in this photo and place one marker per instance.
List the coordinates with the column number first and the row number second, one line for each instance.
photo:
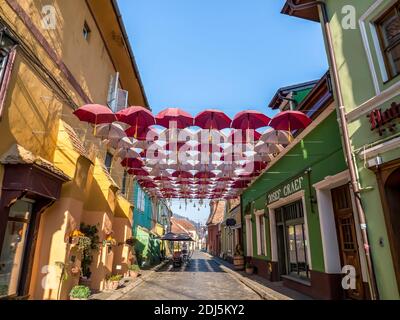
column 347, row 237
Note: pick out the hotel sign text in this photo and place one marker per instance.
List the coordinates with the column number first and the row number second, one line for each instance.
column 382, row 120
column 285, row 190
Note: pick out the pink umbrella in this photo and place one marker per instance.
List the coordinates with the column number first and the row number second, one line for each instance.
column 212, row 119
column 182, row 118
column 290, row 120
column 250, row 119
column 243, row 136
column 95, row 113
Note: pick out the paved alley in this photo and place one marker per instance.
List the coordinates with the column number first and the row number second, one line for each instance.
column 201, row 279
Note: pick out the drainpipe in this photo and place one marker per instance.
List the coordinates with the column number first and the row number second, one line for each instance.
column 347, row 146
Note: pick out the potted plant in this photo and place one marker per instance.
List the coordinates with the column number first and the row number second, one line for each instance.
column 75, row 236
column 113, row 281
column 91, row 232
column 238, row 258
column 249, row 268
column 109, row 242
column 80, row 293
column 133, row 270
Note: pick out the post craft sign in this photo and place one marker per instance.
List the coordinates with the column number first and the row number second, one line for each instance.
column 286, row 190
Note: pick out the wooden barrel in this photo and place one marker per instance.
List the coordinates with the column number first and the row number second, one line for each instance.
column 238, row 262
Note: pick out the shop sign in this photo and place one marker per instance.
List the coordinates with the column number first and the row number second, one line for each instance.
column 285, row 190
column 383, row 120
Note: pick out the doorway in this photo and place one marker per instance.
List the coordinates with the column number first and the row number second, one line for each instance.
column 347, row 237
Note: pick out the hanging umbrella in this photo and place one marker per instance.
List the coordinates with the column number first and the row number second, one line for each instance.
column 137, row 117
column 290, row 120
column 127, row 153
column 212, row 119
column 182, row 174
column 182, row 118
column 268, row 148
column 110, row 131
column 276, row 136
column 124, row 143
column 132, row 163
column 138, row 172
column 204, row 175
column 95, row 114
column 250, row 119
column 243, row 136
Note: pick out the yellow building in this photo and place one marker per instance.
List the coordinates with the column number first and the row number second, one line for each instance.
column 53, row 171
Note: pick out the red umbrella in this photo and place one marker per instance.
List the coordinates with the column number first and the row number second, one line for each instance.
column 161, row 178
column 136, row 117
column 212, row 119
column 204, row 175
column 290, row 120
column 138, row 172
column 182, row 118
column 95, row 113
column 132, row 163
column 241, row 184
column 250, row 119
column 182, row 174
column 147, row 184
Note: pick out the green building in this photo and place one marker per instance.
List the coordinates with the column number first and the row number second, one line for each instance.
column 298, row 214
column 366, row 44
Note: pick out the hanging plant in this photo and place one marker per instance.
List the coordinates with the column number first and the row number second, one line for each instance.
column 109, row 242
column 75, row 235
column 84, row 244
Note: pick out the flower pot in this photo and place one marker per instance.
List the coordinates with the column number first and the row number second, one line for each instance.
column 249, row 270
column 74, row 240
column 113, row 285
column 238, row 262
column 133, row 274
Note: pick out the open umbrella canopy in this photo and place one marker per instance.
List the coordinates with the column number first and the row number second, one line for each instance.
column 167, row 116
column 95, row 114
column 250, row 119
column 276, row 136
column 243, row 136
column 110, row 131
column 212, row 119
column 182, row 175
column 290, row 120
column 177, row 237
column 138, row 172
column 268, row 148
column 204, row 175
column 137, row 117
column 132, row 163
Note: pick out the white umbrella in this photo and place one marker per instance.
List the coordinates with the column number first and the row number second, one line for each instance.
column 262, row 147
column 110, row 131
column 127, row 153
column 276, row 137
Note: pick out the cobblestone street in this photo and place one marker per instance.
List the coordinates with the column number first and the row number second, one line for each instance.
column 201, row 279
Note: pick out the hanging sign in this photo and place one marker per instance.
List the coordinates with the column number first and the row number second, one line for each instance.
column 382, row 120
column 285, row 190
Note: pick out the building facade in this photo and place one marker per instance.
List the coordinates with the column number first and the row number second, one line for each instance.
column 299, row 225
column 231, row 230
column 365, row 43
column 56, row 177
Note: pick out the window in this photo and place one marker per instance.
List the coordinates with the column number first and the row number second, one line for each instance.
column 293, row 240
column 108, row 161
column 389, row 33
column 7, row 57
column 124, row 183
column 140, row 205
column 13, row 249
column 260, row 224
column 86, row 31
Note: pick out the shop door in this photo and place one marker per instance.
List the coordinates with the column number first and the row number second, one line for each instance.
column 347, row 237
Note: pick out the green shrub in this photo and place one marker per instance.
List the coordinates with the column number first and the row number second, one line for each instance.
column 115, row 277
column 80, row 292
column 134, row 267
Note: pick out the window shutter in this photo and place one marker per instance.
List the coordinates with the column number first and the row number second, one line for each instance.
column 112, row 98
column 122, row 100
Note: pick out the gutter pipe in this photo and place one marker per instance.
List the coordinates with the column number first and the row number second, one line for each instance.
column 347, row 145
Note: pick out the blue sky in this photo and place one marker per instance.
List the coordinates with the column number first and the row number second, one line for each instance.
column 230, row 55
